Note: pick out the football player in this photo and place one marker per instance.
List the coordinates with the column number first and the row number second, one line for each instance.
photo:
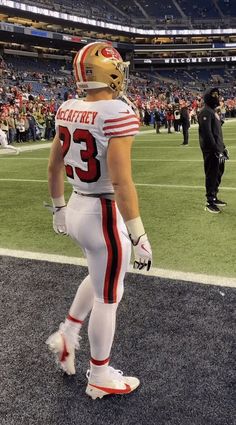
column 93, row 144
column 4, row 144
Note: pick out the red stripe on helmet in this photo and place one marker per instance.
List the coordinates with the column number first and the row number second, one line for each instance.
column 82, row 62
column 75, row 67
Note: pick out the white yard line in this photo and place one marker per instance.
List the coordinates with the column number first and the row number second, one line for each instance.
column 26, row 148
column 184, row 148
column 24, row 180
column 162, row 273
column 30, row 158
column 166, row 186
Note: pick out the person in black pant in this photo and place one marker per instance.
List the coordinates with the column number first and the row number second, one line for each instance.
column 157, row 120
column 213, row 149
column 176, row 111
column 185, row 122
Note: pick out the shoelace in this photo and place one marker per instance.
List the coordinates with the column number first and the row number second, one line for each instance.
column 114, row 373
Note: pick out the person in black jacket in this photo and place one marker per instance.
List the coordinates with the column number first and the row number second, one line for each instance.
column 185, row 121
column 213, row 148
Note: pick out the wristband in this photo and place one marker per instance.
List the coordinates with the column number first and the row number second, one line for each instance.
column 59, row 202
column 135, row 228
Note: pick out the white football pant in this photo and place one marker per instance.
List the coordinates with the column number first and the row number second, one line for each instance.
column 98, row 227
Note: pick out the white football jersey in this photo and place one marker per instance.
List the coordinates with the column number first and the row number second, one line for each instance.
column 84, row 129
column 3, row 139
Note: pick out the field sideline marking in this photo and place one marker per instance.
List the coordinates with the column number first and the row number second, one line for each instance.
column 133, row 159
column 151, row 130
column 162, row 273
column 166, row 186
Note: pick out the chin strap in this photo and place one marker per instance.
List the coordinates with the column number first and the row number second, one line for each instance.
column 131, row 104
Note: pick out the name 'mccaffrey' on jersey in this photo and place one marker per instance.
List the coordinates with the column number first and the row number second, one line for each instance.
column 84, row 130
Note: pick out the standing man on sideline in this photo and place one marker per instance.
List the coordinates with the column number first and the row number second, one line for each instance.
column 184, row 121
column 93, row 142
column 157, row 120
column 213, row 149
column 176, row 113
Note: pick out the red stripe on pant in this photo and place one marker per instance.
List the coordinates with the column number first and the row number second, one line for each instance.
column 119, row 249
column 114, row 250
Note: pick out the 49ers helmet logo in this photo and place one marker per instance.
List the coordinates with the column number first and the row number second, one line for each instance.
column 110, row 52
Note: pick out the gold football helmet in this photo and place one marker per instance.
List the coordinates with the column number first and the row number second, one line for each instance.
column 99, row 65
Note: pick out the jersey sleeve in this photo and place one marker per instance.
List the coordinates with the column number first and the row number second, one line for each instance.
column 121, row 122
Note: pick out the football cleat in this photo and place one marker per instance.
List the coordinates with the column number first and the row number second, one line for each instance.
column 220, row 203
column 212, row 208
column 64, row 347
column 112, row 383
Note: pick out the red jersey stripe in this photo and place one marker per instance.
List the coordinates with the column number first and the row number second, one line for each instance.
column 120, row 125
column 128, row 132
column 127, row 117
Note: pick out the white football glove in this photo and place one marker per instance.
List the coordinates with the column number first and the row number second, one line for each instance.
column 59, row 219
column 142, row 253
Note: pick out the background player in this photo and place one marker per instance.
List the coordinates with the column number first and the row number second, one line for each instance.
column 4, row 144
column 93, row 140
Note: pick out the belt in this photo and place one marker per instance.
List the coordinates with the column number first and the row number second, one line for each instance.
column 108, row 195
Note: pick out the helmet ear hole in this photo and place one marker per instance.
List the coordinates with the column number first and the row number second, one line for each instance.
column 114, row 76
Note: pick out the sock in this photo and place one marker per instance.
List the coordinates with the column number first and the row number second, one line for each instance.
column 99, row 368
column 81, row 306
column 101, row 332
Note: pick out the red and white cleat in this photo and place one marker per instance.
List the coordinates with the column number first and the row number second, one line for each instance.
column 64, row 347
column 113, row 383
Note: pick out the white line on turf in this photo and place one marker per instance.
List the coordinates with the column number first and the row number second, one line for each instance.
column 28, row 158
column 166, row 186
column 27, row 148
column 24, row 180
column 162, row 273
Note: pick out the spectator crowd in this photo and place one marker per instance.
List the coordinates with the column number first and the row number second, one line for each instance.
column 29, row 101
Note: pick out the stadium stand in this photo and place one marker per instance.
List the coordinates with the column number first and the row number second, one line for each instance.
column 200, row 9
column 140, row 9
column 39, row 86
column 159, row 9
column 227, row 7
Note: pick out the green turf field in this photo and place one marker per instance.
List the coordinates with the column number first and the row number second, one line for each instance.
column 170, row 183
